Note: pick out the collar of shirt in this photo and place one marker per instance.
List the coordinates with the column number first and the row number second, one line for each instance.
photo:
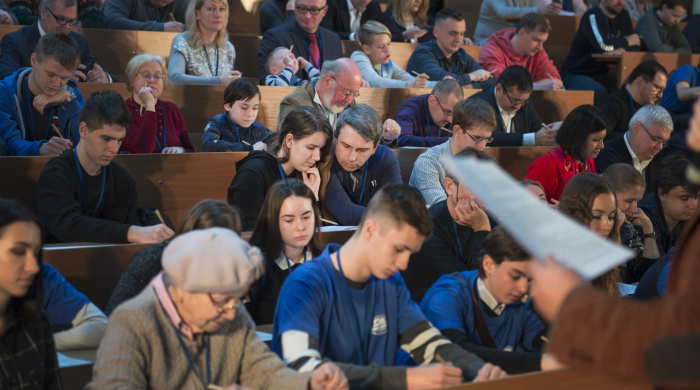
column 281, row 261
column 460, row 54
column 507, row 118
column 331, row 116
column 304, row 33
column 488, row 299
column 41, row 30
column 638, row 164
column 170, row 309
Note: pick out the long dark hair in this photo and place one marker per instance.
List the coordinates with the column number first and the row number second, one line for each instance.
column 27, row 307
column 266, row 234
column 581, row 122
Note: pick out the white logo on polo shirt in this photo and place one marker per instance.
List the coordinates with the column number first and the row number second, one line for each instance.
column 379, row 325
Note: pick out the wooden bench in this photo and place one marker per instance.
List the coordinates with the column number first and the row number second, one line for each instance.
column 198, row 103
column 568, row 378
column 95, row 270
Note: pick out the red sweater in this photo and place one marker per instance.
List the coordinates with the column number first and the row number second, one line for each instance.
column 497, row 54
column 554, row 169
column 141, row 136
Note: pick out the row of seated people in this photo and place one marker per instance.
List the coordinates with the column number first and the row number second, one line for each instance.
column 310, row 319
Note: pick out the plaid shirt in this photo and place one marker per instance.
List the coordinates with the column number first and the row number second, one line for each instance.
column 28, row 356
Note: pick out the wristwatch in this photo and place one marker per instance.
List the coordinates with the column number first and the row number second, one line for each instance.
column 650, row 235
column 70, row 98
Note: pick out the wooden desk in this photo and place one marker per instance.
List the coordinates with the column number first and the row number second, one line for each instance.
column 629, row 60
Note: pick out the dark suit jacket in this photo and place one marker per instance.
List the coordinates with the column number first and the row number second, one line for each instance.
column 615, row 151
column 273, row 13
column 16, row 48
column 525, row 120
column 338, row 17
column 288, row 35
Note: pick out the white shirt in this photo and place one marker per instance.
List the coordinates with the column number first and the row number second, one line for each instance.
column 331, row 116
column 281, row 261
column 355, row 16
column 640, row 166
column 41, row 30
column 528, row 138
column 488, row 299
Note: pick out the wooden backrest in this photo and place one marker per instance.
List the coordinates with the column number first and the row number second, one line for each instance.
column 170, row 183
column 95, row 269
column 670, row 61
column 569, row 378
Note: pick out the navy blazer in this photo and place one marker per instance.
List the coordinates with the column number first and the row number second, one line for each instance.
column 615, row 151
column 525, row 120
column 273, row 13
column 288, row 35
column 338, row 17
column 16, row 48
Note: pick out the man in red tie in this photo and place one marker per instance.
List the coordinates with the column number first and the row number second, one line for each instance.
column 304, row 36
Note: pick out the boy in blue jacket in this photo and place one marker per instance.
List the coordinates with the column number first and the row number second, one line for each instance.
column 40, row 106
column 236, row 129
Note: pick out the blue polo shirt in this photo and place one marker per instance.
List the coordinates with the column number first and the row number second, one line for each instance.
column 670, row 101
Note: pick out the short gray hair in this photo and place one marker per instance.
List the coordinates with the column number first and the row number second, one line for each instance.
column 332, row 68
column 50, row 3
column 444, row 88
column 364, row 119
column 652, row 114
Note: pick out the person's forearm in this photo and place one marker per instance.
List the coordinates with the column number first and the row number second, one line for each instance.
column 89, row 326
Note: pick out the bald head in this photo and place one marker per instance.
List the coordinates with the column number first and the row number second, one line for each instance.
column 340, row 80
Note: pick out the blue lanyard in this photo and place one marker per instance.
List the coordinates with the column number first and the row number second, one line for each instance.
column 235, row 127
column 31, row 114
column 289, row 263
column 498, row 114
column 316, row 64
column 662, row 33
column 281, row 170
column 614, row 33
column 430, row 128
column 364, row 181
column 187, row 353
column 204, row 47
column 362, row 345
column 634, row 106
column 162, row 116
column 459, row 243
column 82, row 185
column 384, row 69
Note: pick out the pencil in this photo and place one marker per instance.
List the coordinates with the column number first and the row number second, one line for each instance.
column 492, row 70
column 440, row 359
column 245, row 143
column 172, row 17
column 550, row 76
column 291, row 47
column 140, row 109
column 55, row 129
column 546, row 340
column 214, row 387
column 415, row 73
column 445, row 129
column 160, row 217
column 328, row 221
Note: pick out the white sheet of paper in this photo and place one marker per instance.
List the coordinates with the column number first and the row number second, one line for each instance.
column 540, row 230
column 65, row 361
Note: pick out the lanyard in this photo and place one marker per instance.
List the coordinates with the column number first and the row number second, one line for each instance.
column 161, row 117
column 662, row 33
column 31, row 114
column 281, row 170
column 289, row 263
column 384, row 69
column 317, row 64
column 607, row 21
column 187, row 353
column 82, row 185
column 364, row 181
column 572, row 165
column 204, row 47
column 235, row 127
column 459, row 243
column 362, row 345
column 634, row 106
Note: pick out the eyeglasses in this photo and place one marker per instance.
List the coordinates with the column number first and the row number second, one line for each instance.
column 653, row 139
column 155, row 77
column 347, row 94
column 61, row 20
column 515, row 102
column 231, row 306
column 312, row 11
column 477, row 140
column 444, row 112
column 658, row 88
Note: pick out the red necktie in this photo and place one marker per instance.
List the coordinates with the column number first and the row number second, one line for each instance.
column 313, row 51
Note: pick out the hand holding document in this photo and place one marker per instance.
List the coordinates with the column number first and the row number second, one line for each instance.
column 539, row 229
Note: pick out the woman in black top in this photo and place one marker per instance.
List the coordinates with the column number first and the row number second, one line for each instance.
column 286, row 234
column 27, row 351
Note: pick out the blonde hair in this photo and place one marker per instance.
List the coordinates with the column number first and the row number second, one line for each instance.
column 370, row 30
column 135, row 63
column 401, row 11
column 193, row 34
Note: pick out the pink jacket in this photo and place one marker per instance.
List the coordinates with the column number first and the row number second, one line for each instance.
column 497, row 54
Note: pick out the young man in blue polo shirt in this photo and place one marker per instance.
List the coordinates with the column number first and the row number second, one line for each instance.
column 351, row 306
column 484, row 307
column 361, row 165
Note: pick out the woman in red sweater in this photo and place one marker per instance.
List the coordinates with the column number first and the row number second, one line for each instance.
column 158, row 125
column 580, row 139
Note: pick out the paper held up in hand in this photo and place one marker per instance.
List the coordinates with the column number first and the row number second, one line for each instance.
column 539, row 229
